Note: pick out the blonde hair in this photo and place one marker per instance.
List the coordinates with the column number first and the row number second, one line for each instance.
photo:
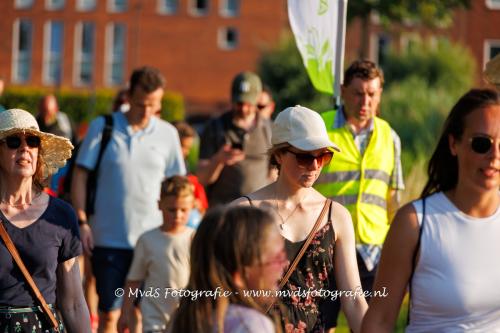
column 177, row 186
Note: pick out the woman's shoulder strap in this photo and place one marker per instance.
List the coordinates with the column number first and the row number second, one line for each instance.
column 248, row 198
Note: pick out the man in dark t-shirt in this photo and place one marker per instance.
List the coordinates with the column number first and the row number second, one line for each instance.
column 233, row 148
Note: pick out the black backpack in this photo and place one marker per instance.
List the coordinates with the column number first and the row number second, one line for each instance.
column 65, row 193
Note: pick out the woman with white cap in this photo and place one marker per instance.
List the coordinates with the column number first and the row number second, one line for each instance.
column 319, row 237
column 43, row 229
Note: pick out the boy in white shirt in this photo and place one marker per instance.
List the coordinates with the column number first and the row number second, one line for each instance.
column 161, row 260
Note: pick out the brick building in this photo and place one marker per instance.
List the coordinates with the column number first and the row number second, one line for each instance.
column 198, row 44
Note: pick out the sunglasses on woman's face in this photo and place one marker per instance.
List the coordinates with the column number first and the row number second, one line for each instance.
column 481, row 144
column 307, row 159
column 15, row 141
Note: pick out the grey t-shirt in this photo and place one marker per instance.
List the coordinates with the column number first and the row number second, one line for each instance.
column 246, row 176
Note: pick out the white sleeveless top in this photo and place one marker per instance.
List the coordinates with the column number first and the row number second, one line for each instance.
column 456, row 284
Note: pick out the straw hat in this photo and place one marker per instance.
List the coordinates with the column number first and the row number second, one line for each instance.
column 55, row 149
column 492, row 71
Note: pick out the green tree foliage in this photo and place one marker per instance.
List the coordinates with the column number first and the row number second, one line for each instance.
column 429, row 12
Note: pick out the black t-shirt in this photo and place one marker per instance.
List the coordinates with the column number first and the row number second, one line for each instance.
column 52, row 239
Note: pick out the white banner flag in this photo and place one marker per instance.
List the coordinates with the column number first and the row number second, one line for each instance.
column 319, row 30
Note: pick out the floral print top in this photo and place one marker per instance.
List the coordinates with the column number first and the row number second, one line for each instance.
column 300, row 311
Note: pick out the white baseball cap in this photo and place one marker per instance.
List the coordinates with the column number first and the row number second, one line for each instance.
column 302, row 128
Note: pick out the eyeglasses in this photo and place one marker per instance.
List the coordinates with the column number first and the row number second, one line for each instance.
column 281, row 261
column 262, row 106
column 306, row 159
column 15, row 141
column 481, row 144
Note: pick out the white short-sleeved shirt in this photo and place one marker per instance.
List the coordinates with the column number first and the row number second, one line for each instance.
column 131, row 171
column 161, row 260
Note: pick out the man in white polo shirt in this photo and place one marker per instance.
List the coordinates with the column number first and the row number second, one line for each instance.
column 141, row 152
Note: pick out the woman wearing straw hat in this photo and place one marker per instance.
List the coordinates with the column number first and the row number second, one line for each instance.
column 43, row 229
column 300, row 148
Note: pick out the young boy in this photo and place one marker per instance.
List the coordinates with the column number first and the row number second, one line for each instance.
column 161, row 260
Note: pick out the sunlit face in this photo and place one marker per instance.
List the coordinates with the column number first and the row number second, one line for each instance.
column 244, row 110
column 144, row 105
column 186, row 145
column 265, row 105
column 361, row 99
column 479, row 172
column 300, row 167
column 266, row 274
column 176, row 210
column 19, row 162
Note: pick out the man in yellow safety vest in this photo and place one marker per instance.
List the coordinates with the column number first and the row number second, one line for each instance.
column 366, row 176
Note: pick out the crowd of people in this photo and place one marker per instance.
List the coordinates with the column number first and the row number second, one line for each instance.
column 286, row 220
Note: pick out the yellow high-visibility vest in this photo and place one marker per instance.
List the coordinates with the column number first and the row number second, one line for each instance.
column 361, row 183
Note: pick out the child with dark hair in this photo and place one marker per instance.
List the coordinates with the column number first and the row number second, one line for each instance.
column 161, row 259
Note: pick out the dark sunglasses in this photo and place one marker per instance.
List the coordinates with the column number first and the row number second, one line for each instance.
column 306, row 159
column 15, row 141
column 481, row 144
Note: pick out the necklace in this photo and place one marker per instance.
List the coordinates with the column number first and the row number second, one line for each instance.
column 277, row 209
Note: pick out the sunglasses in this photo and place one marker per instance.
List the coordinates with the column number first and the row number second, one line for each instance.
column 481, row 144
column 306, row 159
column 15, row 141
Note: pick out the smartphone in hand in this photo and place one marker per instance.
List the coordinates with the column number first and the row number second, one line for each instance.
column 237, row 145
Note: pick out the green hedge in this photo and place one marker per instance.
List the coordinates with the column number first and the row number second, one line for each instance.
column 84, row 106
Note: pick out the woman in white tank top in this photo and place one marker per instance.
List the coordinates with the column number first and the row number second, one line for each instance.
column 446, row 246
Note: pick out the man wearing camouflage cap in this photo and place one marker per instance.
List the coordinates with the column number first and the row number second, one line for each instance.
column 233, row 159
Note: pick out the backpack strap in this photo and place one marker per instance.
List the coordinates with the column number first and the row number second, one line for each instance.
column 92, row 177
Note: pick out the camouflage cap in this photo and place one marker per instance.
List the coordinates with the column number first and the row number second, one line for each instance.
column 246, row 87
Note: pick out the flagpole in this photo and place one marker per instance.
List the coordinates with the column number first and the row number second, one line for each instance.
column 338, row 69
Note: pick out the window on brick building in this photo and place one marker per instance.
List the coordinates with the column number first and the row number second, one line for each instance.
column 491, row 49
column 493, row 4
column 115, row 54
column 53, row 52
column 381, row 44
column 230, row 8
column 168, row 7
column 23, row 4
column 54, row 4
column 198, row 7
column 85, row 5
column 21, row 50
column 84, row 53
column 228, row 38
column 117, row 6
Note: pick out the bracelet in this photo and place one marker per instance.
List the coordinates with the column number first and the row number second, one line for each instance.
column 81, row 222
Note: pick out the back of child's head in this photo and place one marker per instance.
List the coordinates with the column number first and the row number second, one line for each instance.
column 176, row 186
column 226, row 241
column 184, row 129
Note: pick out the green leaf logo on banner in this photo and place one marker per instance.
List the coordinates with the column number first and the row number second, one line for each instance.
column 315, row 25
